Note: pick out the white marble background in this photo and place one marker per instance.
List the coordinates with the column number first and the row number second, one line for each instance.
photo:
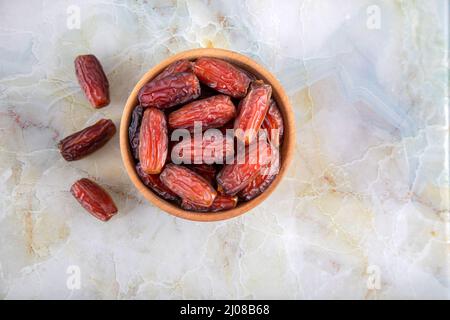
column 363, row 214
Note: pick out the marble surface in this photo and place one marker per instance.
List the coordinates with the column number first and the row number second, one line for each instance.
column 363, row 213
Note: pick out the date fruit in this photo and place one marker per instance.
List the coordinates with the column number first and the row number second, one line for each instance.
column 153, row 141
column 211, row 112
column 262, row 180
column 236, row 176
column 153, row 182
column 209, row 150
column 94, row 199
column 170, row 91
column 273, row 123
column 86, row 141
column 221, row 203
column 133, row 130
column 188, row 185
column 92, row 80
column 222, row 76
column 182, row 65
column 252, row 111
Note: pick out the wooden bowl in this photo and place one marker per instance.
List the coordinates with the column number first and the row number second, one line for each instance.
column 286, row 150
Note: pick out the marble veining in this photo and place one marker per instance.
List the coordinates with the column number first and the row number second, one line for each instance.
column 362, row 214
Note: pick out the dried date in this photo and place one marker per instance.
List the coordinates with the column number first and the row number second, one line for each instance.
column 263, row 180
column 222, row 76
column 236, row 176
column 252, row 111
column 92, row 80
column 153, row 141
column 188, row 185
column 211, row 112
column 182, row 65
column 170, row 91
column 220, row 203
column 273, row 123
column 86, row 141
column 210, row 149
column 133, row 130
column 94, row 199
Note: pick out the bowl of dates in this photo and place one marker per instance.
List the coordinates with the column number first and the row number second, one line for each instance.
column 207, row 134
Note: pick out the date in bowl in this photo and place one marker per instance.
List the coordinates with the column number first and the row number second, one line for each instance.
column 285, row 151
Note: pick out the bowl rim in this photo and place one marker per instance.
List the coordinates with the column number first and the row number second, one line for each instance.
column 288, row 137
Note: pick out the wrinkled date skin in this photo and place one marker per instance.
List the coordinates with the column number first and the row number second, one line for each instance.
column 209, row 150
column 133, row 130
column 92, row 80
column 170, row 91
column 222, row 76
column 211, row 112
column 252, row 111
column 236, row 176
column 273, row 123
column 256, row 187
column 263, row 180
column 86, row 141
column 153, row 182
column 207, row 171
column 94, row 199
column 176, row 67
column 188, row 185
column 153, row 141
column 221, row 203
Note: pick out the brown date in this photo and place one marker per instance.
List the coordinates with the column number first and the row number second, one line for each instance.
column 94, row 199
column 92, row 80
column 212, row 112
column 86, row 141
column 252, row 111
column 257, row 186
column 273, row 123
column 210, row 149
column 153, row 182
column 153, row 141
column 221, row 203
column 263, row 180
column 236, row 176
column 222, row 76
column 188, row 185
column 169, row 91
column 133, row 130
column 182, row 65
